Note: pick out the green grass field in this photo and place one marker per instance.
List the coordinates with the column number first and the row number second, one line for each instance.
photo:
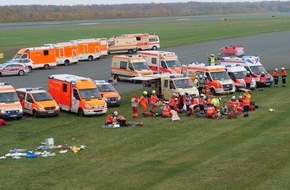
column 194, row 153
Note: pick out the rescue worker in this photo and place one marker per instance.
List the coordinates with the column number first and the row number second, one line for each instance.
column 201, row 84
column 3, row 123
column 284, row 76
column 153, row 100
column 248, row 80
column 172, row 102
column 206, row 86
column 211, row 59
column 122, row 121
column 187, row 101
column 262, row 81
column 165, row 110
column 134, row 105
column 111, row 118
column 201, row 103
column 276, row 77
column 233, row 104
column 215, row 102
column 143, row 100
column 180, row 101
column 211, row 111
column 246, row 103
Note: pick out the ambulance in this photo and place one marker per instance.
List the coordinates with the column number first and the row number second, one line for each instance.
column 108, row 92
column 162, row 61
column 37, row 102
column 10, row 106
column 122, row 44
column 76, row 94
column 42, row 57
column 66, row 52
column 127, row 66
column 90, row 49
column 232, row 51
column 238, row 74
column 219, row 80
column 251, row 64
column 145, row 41
column 166, row 85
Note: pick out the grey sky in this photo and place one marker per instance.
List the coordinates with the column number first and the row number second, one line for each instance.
column 88, row 2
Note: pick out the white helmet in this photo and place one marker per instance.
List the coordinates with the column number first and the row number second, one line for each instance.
column 115, row 113
column 200, row 76
column 282, row 68
column 276, row 69
column 233, row 97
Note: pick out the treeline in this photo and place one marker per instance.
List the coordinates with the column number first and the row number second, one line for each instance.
column 80, row 12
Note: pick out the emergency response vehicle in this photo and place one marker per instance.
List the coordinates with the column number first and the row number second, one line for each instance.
column 66, row 52
column 90, row 49
column 76, row 94
column 162, row 61
column 251, row 64
column 37, row 102
column 166, row 85
column 145, row 41
column 122, row 44
column 42, row 57
column 127, row 66
column 219, row 81
column 108, row 92
column 10, row 106
column 238, row 74
column 232, row 51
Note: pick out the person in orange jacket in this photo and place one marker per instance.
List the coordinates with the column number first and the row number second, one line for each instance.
column 211, row 111
column 284, row 76
column 134, row 105
column 111, row 118
column 276, row 77
column 248, row 80
column 153, row 100
column 143, row 100
column 246, row 103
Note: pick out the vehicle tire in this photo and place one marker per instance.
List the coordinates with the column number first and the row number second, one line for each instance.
column 46, row 66
column 154, row 48
column 21, row 73
column 130, row 51
column 90, row 58
column 81, row 112
column 66, row 62
column 29, row 69
column 34, row 113
column 116, row 77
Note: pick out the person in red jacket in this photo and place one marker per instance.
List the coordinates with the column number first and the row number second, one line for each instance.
column 3, row 123
column 284, row 76
column 262, row 82
column 166, row 110
column 111, row 118
column 276, row 77
column 134, row 105
column 211, row 111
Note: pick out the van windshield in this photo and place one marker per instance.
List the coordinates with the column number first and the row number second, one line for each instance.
column 221, row 76
column 42, row 96
column 91, row 93
column 173, row 63
column 139, row 66
column 8, row 97
column 184, row 83
column 258, row 69
column 240, row 74
column 106, row 88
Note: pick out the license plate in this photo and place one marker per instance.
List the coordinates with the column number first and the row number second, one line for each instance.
column 50, row 112
column 13, row 116
column 113, row 102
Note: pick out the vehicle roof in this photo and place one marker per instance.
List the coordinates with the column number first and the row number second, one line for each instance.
column 31, row 89
column 235, row 69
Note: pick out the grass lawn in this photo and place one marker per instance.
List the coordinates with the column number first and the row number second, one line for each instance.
column 194, row 153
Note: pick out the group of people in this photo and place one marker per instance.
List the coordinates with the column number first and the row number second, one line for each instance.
column 276, row 77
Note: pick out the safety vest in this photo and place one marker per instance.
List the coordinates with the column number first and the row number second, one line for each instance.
column 248, row 79
column 276, row 74
column 143, row 100
column 110, row 119
column 201, row 101
column 166, row 111
column 153, row 99
column 262, row 79
column 121, row 118
column 196, row 82
column 284, row 73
